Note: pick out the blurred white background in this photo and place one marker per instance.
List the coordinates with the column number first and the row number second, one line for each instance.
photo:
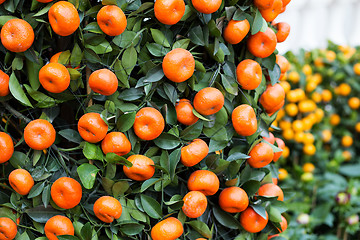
column 314, row 22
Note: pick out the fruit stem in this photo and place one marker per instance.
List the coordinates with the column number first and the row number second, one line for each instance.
column 88, row 89
column 15, row 113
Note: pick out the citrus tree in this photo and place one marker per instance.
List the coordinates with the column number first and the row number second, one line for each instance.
column 319, row 124
column 131, row 119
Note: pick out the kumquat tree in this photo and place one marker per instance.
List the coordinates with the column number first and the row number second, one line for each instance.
column 135, row 119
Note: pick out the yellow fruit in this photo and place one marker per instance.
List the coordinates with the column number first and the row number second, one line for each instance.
column 288, row 134
column 346, row 155
column 330, row 55
column 286, row 152
column 294, row 77
column 299, row 137
column 281, row 114
column 297, row 126
column 334, row 119
column 283, row 174
column 346, row 141
column 317, row 78
column 286, row 86
column 326, row 95
column 357, row 68
column 318, row 62
column 308, row 167
column 308, row 138
column 354, row 103
column 306, row 106
column 291, row 109
column 285, row 124
column 308, row 123
column 357, row 127
column 292, row 97
column 344, row 89
column 310, row 86
column 319, row 113
column 309, row 149
column 307, row 70
column 316, row 97
column 300, row 93
column 326, row 135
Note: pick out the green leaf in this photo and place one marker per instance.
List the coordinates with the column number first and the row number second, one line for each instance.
column 151, row 206
column 42, row 11
column 100, row 48
column 4, row 19
column 67, row 237
column 125, row 121
column 71, row 135
column 17, row 91
column 167, row 141
column 215, row 145
column 121, row 73
column 92, row 152
column 36, row 190
column 19, row 159
column 182, row 43
column 350, row 170
column 251, row 187
column 127, row 39
column 274, row 215
column 239, row 15
column 197, row 36
column 274, row 74
column 225, row 218
column 214, row 31
column 257, row 23
column 114, row 158
column 46, row 196
column 119, row 188
column 191, row 132
column 131, row 94
column 42, row 214
column 237, row 156
column 148, row 183
column 131, row 229
column 230, row 84
column 259, row 210
column 200, row 116
column 159, row 37
column 199, row 66
column 174, row 159
column 17, row 63
column 129, row 59
column 157, row 50
column 201, row 228
column 87, row 173
column 93, row 27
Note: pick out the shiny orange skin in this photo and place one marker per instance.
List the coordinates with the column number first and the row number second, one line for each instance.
column 8, row 229
column 262, row 44
column 44, row 1
column 283, row 224
column 6, row 146
column 4, row 84
column 271, row 13
column 149, row 123
column 354, row 103
column 103, row 81
column 206, row 6
column 55, row 57
column 244, row 120
column 21, row 181
column 112, row 20
column 184, row 112
column 253, row 222
column 116, row 142
column 2, row 1
column 169, row 12
column 273, row 98
column 107, row 209
column 169, row 229
column 39, row 134
column 66, row 192
column 261, row 155
column 271, row 190
column 281, row 145
column 54, row 77
column 249, row 74
column 272, row 236
column 233, row 200
column 92, row 128
column 236, row 31
column 64, row 18
column 203, row 181
column 208, row 101
column 142, row 168
column 263, row 4
column 270, row 139
column 193, row 153
column 283, row 64
column 58, row 225
column 178, row 65
column 283, row 31
column 17, row 35
column 195, row 204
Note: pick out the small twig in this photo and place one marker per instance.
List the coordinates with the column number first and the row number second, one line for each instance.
column 13, row 124
column 15, row 113
column 88, row 89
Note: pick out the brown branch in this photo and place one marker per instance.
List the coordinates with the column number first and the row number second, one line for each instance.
column 15, row 113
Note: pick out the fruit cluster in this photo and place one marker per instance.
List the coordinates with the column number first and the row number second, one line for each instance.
column 131, row 119
column 322, row 110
